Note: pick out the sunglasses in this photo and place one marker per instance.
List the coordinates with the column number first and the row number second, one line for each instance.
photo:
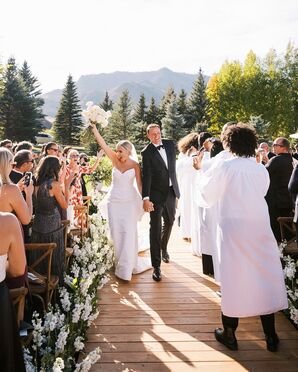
column 276, row 144
column 52, row 148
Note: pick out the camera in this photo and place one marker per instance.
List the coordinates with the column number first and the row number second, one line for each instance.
column 27, row 179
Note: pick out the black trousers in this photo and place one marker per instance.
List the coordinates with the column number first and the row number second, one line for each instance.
column 160, row 232
column 268, row 323
column 274, row 213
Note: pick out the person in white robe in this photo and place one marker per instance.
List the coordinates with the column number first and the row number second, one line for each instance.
column 252, row 281
column 187, row 146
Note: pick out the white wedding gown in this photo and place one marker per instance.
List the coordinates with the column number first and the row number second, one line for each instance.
column 125, row 209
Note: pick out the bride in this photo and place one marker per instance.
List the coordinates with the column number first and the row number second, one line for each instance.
column 125, row 207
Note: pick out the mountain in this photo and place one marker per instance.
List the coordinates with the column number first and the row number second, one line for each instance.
column 151, row 83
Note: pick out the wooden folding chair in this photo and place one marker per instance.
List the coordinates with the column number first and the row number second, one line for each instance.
column 18, row 296
column 42, row 285
column 68, row 250
column 286, row 224
column 82, row 217
column 86, row 202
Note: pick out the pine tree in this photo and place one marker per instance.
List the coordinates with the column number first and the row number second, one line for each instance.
column 68, row 122
column 183, row 109
column 107, row 103
column 166, row 99
column 197, row 101
column 33, row 115
column 13, row 104
column 152, row 113
column 120, row 123
column 173, row 123
column 140, row 110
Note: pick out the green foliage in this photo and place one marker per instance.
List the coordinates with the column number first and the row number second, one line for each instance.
column 68, row 123
column 197, row 102
column 139, row 138
column 152, row 113
column 140, row 110
column 166, row 99
column 103, row 172
column 173, row 123
column 20, row 103
column 265, row 89
column 107, row 103
column 120, row 123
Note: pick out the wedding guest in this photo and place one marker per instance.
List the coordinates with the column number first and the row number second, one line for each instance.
column 187, row 146
column 51, row 148
column 278, row 198
column 252, row 281
column 66, row 151
column 124, row 206
column 47, row 227
column 265, row 152
column 76, row 194
column 83, row 162
column 12, row 264
column 293, row 189
column 295, row 154
column 11, row 199
column 7, row 144
column 24, row 145
column 23, row 160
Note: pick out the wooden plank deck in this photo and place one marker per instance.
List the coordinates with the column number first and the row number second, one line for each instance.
column 168, row 326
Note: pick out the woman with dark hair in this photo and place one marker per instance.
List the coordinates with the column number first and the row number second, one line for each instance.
column 187, row 146
column 48, row 197
column 252, row 281
column 51, row 148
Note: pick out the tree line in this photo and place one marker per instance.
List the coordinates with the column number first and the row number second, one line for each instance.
column 261, row 91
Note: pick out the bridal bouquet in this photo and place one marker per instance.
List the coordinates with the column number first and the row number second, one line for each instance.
column 96, row 115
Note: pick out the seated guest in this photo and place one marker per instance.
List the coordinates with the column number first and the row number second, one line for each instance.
column 252, row 281
column 7, row 144
column 47, row 227
column 11, row 199
column 23, row 160
column 12, row 263
column 24, row 145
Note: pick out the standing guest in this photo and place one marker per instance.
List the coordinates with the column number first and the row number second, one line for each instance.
column 51, row 148
column 295, row 154
column 252, row 281
column 47, row 227
column 12, row 264
column 7, row 144
column 160, row 190
column 293, row 188
column 66, row 151
column 265, row 151
column 187, row 146
column 24, row 145
column 23, row 160
column 278, row 198
column 11, row 199
column 76, row 195
column 83, row 162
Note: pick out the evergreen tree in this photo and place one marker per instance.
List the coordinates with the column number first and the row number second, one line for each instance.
column 139, row 137
column 183, row 109
column 152, row 113
column 166, row 99
column 173, row 123
column 107, row 103
column 197, row 101
column 33, row 114
column 13, row 103
column 140, row 110
column 120, row 123
column 68, row 122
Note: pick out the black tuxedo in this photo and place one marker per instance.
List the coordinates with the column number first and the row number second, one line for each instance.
column 156, row 178
column 15, row 176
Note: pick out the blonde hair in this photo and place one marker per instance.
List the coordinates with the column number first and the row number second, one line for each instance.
column 71, row 152
column 150, row 126
column 6, row 158
column 127, row 145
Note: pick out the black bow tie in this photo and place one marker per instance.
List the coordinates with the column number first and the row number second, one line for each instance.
column 160, row 147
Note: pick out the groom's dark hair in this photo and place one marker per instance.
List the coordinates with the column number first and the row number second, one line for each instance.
column 152, row 126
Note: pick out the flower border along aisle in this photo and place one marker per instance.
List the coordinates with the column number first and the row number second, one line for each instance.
column 60, row 335
column 290, row 268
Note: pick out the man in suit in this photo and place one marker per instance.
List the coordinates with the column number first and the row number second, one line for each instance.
column 160, row 190
column 278, row 197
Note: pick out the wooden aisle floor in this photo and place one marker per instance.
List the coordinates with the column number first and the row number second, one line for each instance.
column 168, row 326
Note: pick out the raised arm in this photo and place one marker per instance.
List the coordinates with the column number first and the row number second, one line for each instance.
column 102, row 143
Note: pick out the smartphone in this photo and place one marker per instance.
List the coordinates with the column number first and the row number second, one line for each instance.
column 27, row 179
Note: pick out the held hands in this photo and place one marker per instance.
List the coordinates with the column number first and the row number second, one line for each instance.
column 148, row 206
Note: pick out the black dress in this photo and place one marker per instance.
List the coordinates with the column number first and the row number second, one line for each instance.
column 47, row 227
column 11, row 356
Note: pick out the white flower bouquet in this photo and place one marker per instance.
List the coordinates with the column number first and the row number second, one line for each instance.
column 96, row 115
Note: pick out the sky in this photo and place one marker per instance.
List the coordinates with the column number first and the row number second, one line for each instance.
column 62, row 37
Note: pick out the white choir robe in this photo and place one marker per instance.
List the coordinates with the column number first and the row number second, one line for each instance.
column 185, row 173
column 252, row 281
column 207, row 240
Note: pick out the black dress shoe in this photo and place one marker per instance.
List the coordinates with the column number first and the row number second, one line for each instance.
column 165, row 257
column 272, row 342
column 226, row 337
column 156, row 274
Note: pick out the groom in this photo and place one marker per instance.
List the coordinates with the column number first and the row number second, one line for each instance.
column 160, row 190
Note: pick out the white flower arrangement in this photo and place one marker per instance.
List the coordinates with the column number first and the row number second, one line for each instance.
column 60, row 333
column 290, row 269
column 96, row 115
